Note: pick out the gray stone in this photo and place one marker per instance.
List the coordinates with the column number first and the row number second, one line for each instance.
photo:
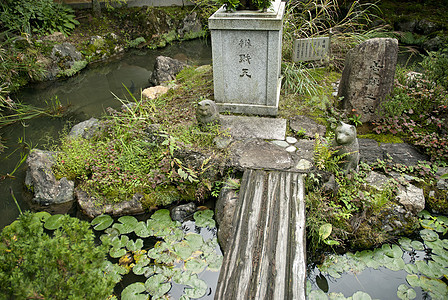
column 368, row 76
column 241, row 127
column 307, row 126
column 40, row 179
column 304, row 165
column 435, row 43
column 91, row 207
column 192, row 26
column 222, row 142
column 402, row 153
column 246, row 50
column 377, row 180
column 370, row 151
column 280, row 143
column 442, row 184
column 291, row 140
column 259, row 154
column 412, row 198
column 426, row 27
column 224, row 212
column 406, row 25
column 165, row 69
column 305, row 149
column 183, row 212
column 291, row 149
column 86, row 129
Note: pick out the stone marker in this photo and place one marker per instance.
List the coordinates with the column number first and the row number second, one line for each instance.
column 246, row 50
column 368, row 76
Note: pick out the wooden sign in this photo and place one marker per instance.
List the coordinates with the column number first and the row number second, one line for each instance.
column 311, row 48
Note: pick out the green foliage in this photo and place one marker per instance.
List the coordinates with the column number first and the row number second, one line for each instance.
column 426, row 271
column 77, row 66
column 416, row 112
column 324, row 154
column 136, row 42
column 435, row 65
column 37, row 16
column 176, row 257
column 62, row 264
column 313, row 18
column 17, row 67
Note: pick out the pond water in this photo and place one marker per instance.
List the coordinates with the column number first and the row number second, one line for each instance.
column 88, row 95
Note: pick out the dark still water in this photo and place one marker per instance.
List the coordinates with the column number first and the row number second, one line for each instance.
column 88, row 95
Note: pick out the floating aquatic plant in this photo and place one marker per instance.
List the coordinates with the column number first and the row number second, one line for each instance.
column 426, row 273
column 177, row 257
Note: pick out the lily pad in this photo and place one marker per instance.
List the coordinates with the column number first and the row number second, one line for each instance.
column 141, row 230
column 413, row 280
column 204, row 218
column 360, row 295
column 417, row 245
column 214, row 262
column 41, row 216
column 134, row 246
column 134, row 292
column 406, row 293
column 102, row 222
column 183, row 250
column 126, row 225
column 117, row 252
column 195, row 265
column 429, row 235
column 397, row 264
column 435, row 286
column 317, row 295
column 54, row 222
column 157, row 285
column 405, row 244
column 198, row 288
column 194, row 240
column 411, row 268
column 393, row 251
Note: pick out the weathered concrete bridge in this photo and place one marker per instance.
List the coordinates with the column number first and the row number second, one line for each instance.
column 266, row 257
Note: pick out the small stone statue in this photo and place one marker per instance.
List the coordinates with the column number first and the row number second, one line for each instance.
column 346, row 144
column 207, row 113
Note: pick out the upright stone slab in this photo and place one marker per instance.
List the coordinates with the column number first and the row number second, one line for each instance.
column 368, row 76
column 246, row 50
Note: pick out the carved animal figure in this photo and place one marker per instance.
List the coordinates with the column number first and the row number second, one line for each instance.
column 346, row 144
column 207, row 113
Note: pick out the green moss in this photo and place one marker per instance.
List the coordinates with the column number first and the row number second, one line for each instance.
column 77, row 66
column 382, row 138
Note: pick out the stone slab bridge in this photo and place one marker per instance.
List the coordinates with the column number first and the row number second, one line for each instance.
column 266, row 257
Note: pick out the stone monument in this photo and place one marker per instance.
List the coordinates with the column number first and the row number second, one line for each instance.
column 368, row 76
column 246, row 50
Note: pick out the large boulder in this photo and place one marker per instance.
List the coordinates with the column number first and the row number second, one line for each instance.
column 368, row 76
column 91, row 207
column 40, row 179
column 165, row 69
column 85, row 129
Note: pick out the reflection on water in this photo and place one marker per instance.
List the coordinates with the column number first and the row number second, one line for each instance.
column 88, row 95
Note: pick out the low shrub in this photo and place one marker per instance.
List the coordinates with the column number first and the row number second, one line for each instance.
column 37, row 16
column 36, row 263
